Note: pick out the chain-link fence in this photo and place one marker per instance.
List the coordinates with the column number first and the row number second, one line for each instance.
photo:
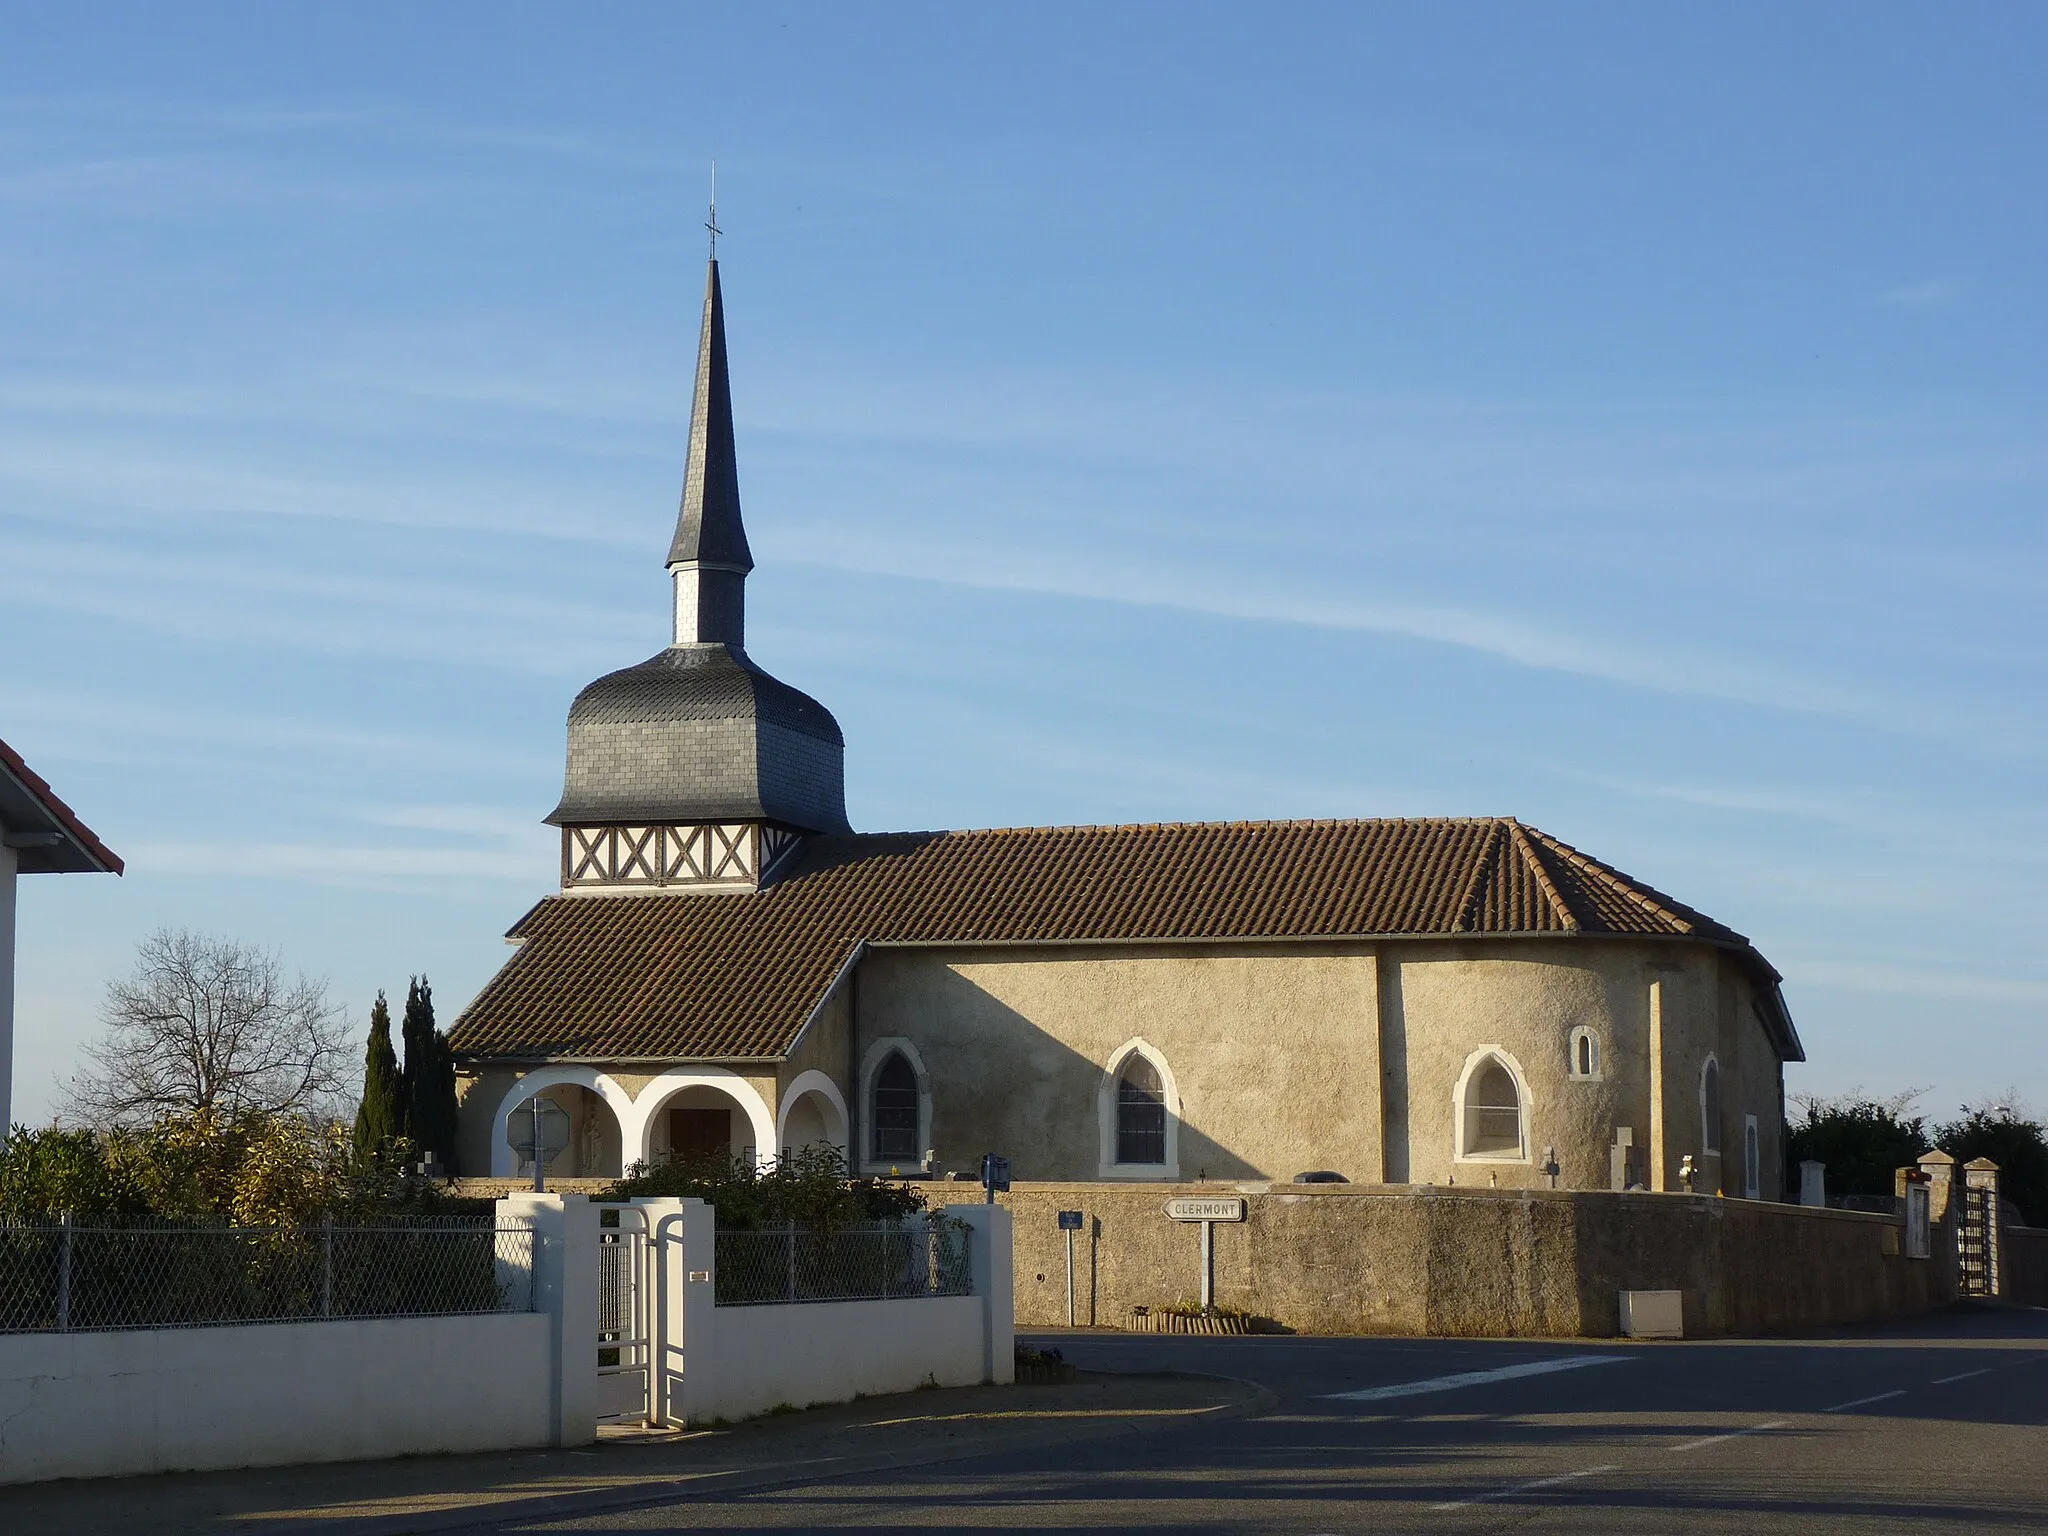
column 867, row 1263
column 106, row 1272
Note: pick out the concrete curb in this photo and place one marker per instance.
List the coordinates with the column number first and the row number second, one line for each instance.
column 1252, row 1401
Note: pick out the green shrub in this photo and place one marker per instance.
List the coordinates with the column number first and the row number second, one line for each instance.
column 253, row 1170
column 809, row 1188
column 2018, row 1145
column 1862, row 1141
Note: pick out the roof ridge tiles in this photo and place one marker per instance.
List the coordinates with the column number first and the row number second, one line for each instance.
column 1650, row 901
column 1519, row 835
column 1289, row 822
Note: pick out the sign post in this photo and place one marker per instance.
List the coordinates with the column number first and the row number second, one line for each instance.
column 995, row 1175
column 538, row 1134
column 1208, row 1210
column 1070, row 1223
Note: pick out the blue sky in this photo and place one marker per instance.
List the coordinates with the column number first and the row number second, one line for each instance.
column 1625, row 418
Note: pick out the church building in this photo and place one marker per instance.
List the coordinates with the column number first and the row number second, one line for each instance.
column 729, row 966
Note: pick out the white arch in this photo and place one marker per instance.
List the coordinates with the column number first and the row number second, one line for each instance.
column 1473, row 1064
column 504, row 1161
column 816, row 1082
column 659, row 1090
column 870, row 1064
column 1105, row 1114
column 1710, row 1124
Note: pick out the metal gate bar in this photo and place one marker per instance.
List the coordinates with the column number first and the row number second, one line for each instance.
column 625, row 1317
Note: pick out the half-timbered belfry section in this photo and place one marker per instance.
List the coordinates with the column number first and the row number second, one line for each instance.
column 696, row 770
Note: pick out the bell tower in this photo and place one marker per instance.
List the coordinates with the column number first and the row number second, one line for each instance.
column 695, row 770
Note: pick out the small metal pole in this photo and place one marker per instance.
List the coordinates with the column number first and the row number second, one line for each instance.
column 64, row 1277
column 540, row 1177
column 327, row 1264
column 1070, row 1277
column 1208, row 1267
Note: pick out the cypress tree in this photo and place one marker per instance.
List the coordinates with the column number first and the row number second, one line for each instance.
column 444, row 1100
column 429, row 1078
column 381, row 1115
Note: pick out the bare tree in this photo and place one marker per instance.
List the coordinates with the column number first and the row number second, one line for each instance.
column 210, row 1024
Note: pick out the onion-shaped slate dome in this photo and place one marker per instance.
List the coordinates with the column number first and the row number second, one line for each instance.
column 699, row 732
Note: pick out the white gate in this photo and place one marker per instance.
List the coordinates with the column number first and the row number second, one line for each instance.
column 625, row 1316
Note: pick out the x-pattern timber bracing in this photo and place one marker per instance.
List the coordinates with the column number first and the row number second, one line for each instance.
column 689, row 854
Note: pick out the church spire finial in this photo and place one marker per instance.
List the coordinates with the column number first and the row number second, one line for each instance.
column 709, row 558
column 711, row 223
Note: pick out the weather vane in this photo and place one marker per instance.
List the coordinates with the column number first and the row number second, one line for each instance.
column 712, row 222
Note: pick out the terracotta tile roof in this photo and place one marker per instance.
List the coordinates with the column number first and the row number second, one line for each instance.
column 33, row 799
column 738, row 976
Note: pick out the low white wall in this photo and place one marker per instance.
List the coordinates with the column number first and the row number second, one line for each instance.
column 733, row 1362
column 826, row 1352
column 177, row 1399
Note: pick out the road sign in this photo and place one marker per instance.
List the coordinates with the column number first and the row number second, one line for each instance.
column 1192, row 1208
column 1070, row 1221
column 541, row 1119
column 995, row 1174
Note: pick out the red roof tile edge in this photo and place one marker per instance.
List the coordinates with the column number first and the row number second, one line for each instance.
column 46, row 797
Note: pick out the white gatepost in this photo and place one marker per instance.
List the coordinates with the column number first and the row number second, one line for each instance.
column 565, row 1288
column 989, row 1259
column 684, row 1262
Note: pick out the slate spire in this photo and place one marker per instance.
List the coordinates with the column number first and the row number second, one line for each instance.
column 709, row 558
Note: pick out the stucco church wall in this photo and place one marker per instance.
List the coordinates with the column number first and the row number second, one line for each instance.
column 1471, row 1262
column 476, row 1106
column 1274, row 1053
column 1709, row 1009
column 822, row 1048
column 1459, row 1000
column 1442, row 1004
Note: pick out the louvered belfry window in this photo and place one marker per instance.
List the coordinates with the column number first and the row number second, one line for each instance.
column 895, row 1116
column 1140, row 1114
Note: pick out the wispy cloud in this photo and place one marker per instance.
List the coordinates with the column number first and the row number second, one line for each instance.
column 1879, row 977
column 1504, row 636
column 1931, row 294
column 113, row 727
column 386, row 867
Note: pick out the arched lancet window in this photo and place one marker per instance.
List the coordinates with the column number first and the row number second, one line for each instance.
column 1493, row 1112
column 1140, row 1113
column 894, row 1114
column 1710, row 1106
column 1584, row 1057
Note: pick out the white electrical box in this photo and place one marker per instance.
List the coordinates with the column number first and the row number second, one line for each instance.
column 1653, row 1314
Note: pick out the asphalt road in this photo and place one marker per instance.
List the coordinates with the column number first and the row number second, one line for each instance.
column 1938, row 1425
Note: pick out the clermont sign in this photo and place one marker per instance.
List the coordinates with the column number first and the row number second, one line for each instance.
column 1188, row 1208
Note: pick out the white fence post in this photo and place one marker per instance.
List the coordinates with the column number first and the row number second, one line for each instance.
column 989, row 1258
column 668, row 1269
column 565, row 1287
column 693, row 1311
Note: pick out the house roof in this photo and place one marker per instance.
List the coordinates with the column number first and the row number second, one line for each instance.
column 723, row 976
column 46, row 834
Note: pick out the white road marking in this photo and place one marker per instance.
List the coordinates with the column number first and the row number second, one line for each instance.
column 1473, row 1378
column 1945, row 1380
column 1859, row 1402
column 1733, row 1434
column 1541, row 1482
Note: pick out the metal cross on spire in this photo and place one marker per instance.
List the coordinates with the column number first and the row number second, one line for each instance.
column 712, row 222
